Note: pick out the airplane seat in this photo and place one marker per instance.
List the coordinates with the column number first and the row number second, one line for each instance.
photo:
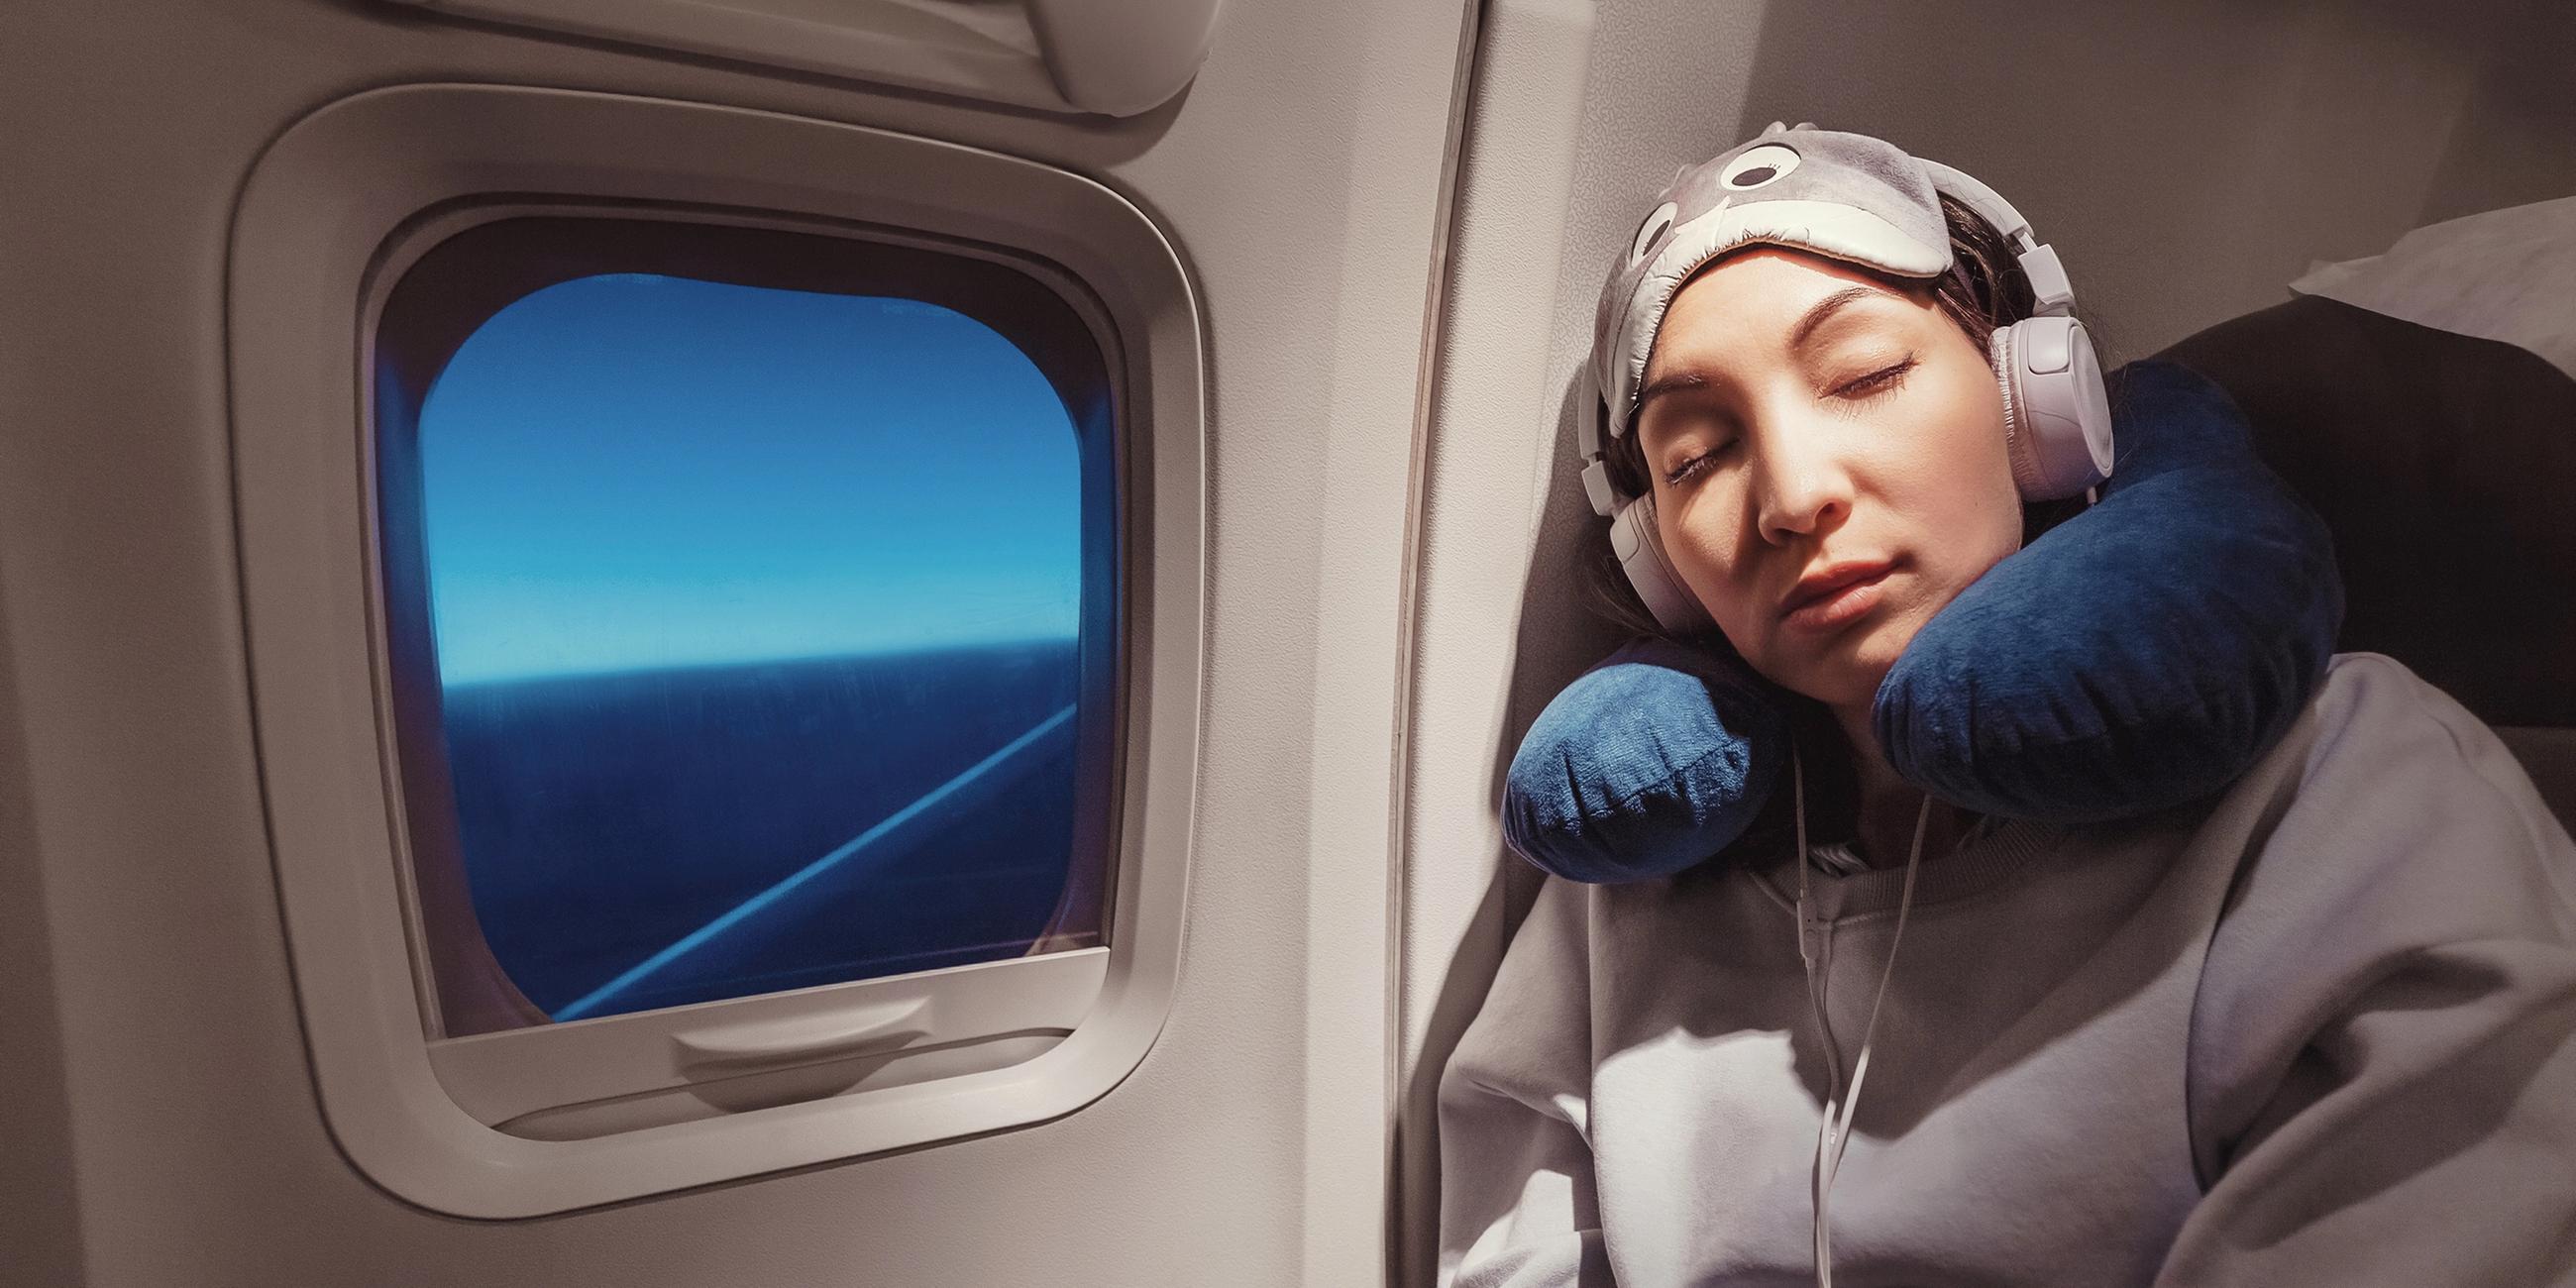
column 2441, row 463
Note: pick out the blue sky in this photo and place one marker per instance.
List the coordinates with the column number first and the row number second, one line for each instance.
column 631, row 471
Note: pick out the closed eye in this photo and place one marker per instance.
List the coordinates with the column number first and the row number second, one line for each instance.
column 1878, row 382
column 1682, row 473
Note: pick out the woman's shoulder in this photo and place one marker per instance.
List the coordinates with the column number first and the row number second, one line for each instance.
column 1581, row 941
column 2361, row 677
column 2392, row 805
column 2374, row 719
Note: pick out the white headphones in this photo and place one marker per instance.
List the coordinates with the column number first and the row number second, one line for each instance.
column 2057, row 416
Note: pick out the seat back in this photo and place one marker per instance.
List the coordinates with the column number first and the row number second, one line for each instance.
column 2439, row 461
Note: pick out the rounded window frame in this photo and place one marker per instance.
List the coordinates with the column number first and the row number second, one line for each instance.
column 463, row 266
column 338, row 208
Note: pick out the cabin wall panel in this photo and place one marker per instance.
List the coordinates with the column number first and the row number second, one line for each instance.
column 43, row 1242
column 2515, row 139
column 1299, row 174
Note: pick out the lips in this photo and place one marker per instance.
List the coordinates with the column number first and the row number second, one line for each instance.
column 1832, row 578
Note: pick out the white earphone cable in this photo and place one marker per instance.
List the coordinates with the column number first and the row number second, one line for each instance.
column 1835, row 1133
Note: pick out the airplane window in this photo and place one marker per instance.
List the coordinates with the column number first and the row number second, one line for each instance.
column 756, row 617
column 725, row 630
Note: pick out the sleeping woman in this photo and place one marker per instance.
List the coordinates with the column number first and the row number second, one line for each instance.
column 2311, row 1028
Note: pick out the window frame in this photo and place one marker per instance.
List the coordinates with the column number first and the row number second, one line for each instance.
column 335, row 211
column 503, row 252
column 484, row 257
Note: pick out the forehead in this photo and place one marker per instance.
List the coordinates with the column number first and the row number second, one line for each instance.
column 1752, row 303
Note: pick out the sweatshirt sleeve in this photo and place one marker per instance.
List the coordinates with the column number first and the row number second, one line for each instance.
column 2383, row 1059
column 1517, row 1208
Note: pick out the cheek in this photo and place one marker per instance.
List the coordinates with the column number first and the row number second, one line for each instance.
column 1704, row 539
column 1972, row 507
column 1700, row 545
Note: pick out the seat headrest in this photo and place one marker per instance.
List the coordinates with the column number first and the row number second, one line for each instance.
column 2443, row 464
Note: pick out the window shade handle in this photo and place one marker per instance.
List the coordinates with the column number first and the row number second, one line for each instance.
column 891, row 1024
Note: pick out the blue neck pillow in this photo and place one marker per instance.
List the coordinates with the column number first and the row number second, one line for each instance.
column 2137, row 656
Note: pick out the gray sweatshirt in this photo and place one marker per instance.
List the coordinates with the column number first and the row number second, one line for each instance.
column 2315, row 1031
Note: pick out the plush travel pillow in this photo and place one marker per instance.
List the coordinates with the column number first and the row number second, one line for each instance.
column 2136, row 656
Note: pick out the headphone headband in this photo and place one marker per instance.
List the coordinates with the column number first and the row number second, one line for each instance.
column 2039, row 263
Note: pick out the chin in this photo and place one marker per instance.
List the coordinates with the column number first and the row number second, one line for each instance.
column 1849, row 670
column 1834, row 681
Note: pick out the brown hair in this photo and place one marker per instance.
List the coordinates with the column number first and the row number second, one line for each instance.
column 1984, row 291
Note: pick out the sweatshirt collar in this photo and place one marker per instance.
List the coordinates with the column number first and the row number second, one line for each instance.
column 1981, row 862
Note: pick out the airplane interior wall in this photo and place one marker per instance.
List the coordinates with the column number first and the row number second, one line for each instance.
column 2187, row 160
column 177, row 1120
column 1394, row 217
column 43, row 1243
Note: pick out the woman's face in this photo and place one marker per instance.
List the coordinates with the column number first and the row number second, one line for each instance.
column 1801, row 418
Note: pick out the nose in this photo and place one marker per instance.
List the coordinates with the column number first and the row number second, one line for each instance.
column 1803, row 489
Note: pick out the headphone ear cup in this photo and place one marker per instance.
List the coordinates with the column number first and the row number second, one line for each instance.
column 2004, row 355
column 1641, row 555
column 2057, row 415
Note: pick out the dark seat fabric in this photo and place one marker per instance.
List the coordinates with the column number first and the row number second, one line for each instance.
column 2445, row 467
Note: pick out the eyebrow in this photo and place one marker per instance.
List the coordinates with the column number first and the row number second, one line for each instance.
column 1800, row 336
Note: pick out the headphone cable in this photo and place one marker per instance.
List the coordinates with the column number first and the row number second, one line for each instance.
column 1835, row 1133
